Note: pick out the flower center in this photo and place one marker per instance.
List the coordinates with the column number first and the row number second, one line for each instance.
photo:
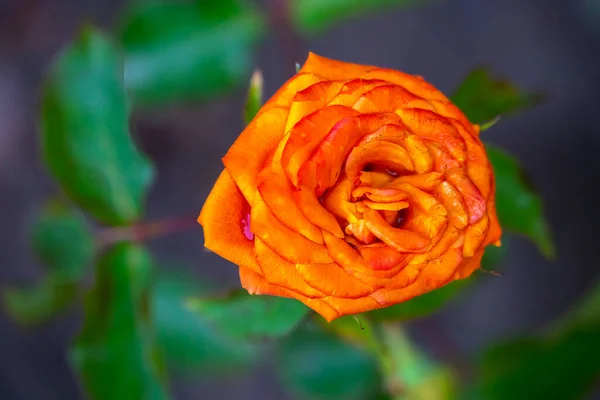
column 372, row 201
column 400, row 218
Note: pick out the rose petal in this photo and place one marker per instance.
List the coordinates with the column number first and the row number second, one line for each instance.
column 440, row 271
column 442, row 159
column 346, row 306
column 475, row 236
column 277, row 193
column 315, row 213
column 427, row 181
column 469, row 266
column 389, row 98
column 409, row 283
column 337, row 201
column 290, row 245
column 382, row 258
column 256, row 284
column 329, row 157
column 221, row 217
column 452, row 201
column 429, row 125
column 384, row 154
column 333, row 69
column 393, row 131
column 412, row 83
column 306, row 136
column 333, row 280
column 361, row 232
column 427, row 215
column 449, row 238
column 392, row 206
column 342, row 253
column 472, row 198
column 419, row 154
column 495, row 231
column 479, row 169
column 404, row 278
column 400, row 240
column 431, row 276
column 449, row 110
column 311, row 99
column 281, row 272
column 374, row 179
column 285, row 95
column 380, row 195
column 355, row 88
column 248, row 155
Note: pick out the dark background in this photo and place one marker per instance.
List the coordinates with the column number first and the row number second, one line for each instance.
column 540, row 44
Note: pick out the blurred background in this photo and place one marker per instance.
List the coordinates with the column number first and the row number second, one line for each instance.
column 542, row 45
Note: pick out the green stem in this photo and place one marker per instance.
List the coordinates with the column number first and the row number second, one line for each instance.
column 408, row 373
column 396, row 354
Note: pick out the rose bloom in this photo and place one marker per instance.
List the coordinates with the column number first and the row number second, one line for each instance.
column 354, row 188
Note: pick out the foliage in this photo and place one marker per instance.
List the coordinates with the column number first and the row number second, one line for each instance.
column 245, row 317
column 116, row 353
column 85, row 136
column 63, row 243
column 483, row 98
column 313, row 16
column 188, row 340
column 560, row 362
column 315, row 363
column 519, row 207
column 188, row 50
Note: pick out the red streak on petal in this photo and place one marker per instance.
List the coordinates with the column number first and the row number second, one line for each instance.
column 246, row 227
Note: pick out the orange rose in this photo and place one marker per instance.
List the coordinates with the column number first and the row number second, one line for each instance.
column 354, row 188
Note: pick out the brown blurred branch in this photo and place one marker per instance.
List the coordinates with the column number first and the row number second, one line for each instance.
column 291, row 45
column 17, row 18
column 144, row 230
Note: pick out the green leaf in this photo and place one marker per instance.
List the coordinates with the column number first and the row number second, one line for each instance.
column 519, row 207
column 561, row 363
column 254, row 97
column 408, row 373
column 245, row 316
column 115, row 354
column 314, row 16
column 188, row 51
column 489, row 124
column 85, row 137
column 62, row 240
column 316, row 364
column 187, row 339
column 30, row 306
column 483, row 98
